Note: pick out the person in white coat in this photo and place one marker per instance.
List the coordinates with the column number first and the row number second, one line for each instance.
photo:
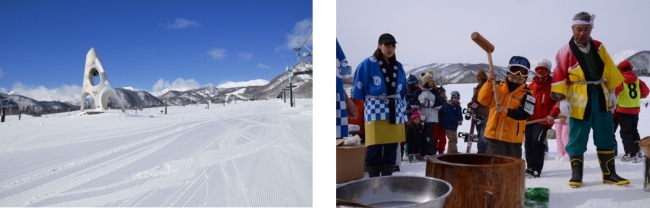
column 430, row 103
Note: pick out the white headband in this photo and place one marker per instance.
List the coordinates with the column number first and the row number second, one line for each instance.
column 582, row 22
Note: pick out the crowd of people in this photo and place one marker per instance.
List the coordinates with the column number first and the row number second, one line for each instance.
column 410, row 116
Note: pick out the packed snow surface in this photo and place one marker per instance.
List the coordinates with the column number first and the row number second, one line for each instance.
column 256, row 153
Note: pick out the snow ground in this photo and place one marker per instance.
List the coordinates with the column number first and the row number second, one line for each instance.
column 556, row 174
column 256, row 153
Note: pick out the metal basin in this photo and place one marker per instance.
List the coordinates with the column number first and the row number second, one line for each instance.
column 396, row 191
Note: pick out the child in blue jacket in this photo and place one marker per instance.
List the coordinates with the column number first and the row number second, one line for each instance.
column 453, row 116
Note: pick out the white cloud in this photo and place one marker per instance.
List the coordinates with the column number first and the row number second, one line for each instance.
column 245, row 56
column 3, row 90
column 179, row 84
column 217, row 53
column 256, row 82
column 64, row 93
column 299, row 33
column 262, row 66
column 180, row 23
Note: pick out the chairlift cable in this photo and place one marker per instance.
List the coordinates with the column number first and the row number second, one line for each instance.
column 303, row 45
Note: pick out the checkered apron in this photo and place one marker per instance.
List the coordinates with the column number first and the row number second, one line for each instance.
column 342, row 68
column 376, row 108
column 341, row 116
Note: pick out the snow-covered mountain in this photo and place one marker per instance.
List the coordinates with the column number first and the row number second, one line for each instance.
column 620, row 56
column 448, row 73
column 256, row 82
column 254, row 89
column 641, row 63
column 193, row 96
column 454, row 73
column 136, row 99
column 202, row 95
column 408, row 67
column 302, row 78
column 30, row 106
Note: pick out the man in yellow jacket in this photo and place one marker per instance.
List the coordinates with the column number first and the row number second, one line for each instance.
column 584, row 81
column 506, row 126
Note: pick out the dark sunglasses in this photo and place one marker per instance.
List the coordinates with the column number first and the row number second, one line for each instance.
column 518, row 70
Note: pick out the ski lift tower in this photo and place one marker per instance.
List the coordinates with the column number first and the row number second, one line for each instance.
column 4, row 103
column 291, row 86
column 300, row 57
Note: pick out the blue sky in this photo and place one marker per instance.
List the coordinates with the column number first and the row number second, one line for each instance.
column 147, row 45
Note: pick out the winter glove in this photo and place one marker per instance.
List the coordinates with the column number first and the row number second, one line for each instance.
column 430, row 103
column 612, row 101
column 472, row 105
column 565, row 108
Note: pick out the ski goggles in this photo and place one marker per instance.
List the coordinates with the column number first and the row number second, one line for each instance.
column 519, row 65
column 518, row 70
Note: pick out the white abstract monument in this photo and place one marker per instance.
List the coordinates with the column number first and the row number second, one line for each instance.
column 100, row 91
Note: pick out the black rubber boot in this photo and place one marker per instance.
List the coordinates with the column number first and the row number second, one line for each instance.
column 606, row 159
column 387, row 169
column 577, row 166
column 374, row 171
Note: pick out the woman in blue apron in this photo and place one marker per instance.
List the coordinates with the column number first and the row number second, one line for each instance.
column 380, row 81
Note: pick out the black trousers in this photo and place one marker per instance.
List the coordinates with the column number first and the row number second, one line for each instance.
column 534, row 146
column 629, row 132
column 413, row 140
column 427, row 145
column 496, row 147
column 381, row 154
column 414, row 146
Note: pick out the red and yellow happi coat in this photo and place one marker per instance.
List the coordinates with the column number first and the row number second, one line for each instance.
column 569, row 71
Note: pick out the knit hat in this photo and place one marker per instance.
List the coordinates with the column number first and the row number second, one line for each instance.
column 441, row 90
column 455, row 94
column 415, row 115
column 412, row 79
column 426, row 78
column 625, row 65
column 545, row 64
column 481, row 75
